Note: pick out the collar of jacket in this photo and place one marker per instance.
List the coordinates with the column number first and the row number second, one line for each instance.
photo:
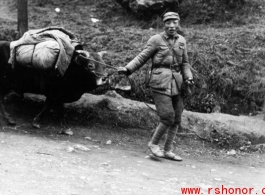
column 176, row 36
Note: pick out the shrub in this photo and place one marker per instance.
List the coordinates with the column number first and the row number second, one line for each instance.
column 8, row 35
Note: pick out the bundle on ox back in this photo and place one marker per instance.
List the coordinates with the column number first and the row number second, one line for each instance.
column 50, row 62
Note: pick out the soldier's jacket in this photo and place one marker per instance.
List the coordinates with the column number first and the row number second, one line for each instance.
column 163, row 78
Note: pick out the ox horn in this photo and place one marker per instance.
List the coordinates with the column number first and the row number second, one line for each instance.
column 83, row 58
column 86, row 53
column 102, row 53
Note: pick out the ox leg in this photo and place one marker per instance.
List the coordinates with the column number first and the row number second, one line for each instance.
column 9, row 119
column 39, row 116
column 60, row 110
column 65, row 128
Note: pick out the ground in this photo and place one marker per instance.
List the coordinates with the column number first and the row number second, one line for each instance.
column 101, row 159
column 42, row 162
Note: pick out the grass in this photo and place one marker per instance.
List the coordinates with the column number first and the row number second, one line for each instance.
column 225, row 44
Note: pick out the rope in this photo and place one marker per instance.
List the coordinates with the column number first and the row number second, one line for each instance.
column 99, row 74
column 131, row 81
column 150, row 107
column 103, row 64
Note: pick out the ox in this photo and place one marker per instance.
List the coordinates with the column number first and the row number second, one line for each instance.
column 83, row 75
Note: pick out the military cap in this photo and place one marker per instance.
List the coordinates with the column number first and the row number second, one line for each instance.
column 170, row 15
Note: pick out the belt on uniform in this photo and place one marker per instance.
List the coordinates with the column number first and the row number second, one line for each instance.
column 175, row 67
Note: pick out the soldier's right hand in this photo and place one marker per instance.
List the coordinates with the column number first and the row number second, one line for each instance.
column 123, row 70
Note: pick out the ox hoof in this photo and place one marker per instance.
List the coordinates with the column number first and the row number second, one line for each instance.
column 67, row 132
column 11, row 122
column 36, row 125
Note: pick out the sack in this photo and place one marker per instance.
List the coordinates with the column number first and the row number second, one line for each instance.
column 40, row 56
column 24, row 55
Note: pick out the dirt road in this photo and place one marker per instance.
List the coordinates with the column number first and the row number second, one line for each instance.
column 34, row 163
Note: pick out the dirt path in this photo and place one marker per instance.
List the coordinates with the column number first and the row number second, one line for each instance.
column 33, row 164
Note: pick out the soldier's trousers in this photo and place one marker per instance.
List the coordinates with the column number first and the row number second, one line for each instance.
column 169, row 109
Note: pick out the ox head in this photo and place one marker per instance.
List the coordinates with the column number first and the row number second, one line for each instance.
column 94, row 64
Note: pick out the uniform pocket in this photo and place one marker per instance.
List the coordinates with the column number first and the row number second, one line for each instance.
column 160, row 79
column 179, row 50
column 157, row 71
column 162, row 51
column 179, row 80
column 163, row 47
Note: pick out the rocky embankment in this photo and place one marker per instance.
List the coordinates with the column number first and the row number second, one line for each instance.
column 243, row 132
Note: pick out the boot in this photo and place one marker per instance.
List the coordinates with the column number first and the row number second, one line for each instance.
column 171, row 156
column 171, row 134
column 153, row 144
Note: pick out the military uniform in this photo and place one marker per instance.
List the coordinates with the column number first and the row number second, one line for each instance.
column 169, row 71
column 170, row 66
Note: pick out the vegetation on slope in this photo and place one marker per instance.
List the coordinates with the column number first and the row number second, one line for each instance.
column 225, row 43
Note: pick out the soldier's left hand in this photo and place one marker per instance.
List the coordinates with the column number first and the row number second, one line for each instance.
column 188, row 87
column 189, row 81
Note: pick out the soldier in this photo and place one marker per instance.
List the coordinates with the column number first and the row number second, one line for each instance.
column 170, row 68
